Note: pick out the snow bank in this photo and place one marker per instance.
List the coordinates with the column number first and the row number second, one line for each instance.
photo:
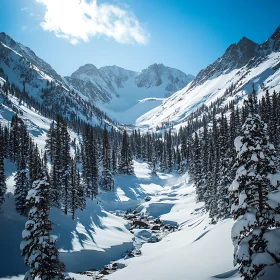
column 89, row 241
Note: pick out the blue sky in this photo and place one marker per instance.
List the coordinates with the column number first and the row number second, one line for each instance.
column 134, row 34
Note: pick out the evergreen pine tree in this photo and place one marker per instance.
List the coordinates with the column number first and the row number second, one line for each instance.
column 106, row 180
column 50, row 141
column 22, row 186
column 77, row 191
column 14, row 139
column 183, row 150
column 73, row 189
column 65, row 162
column 56, row 173
column 34, row 162
column 126, row 162
column 153, row 156
column 223, row 205
column 209, row 182
column 169, row 150
column 115, row 152
column 3, row 186
column 38, row 246
column 90, row 162
column 255, row 208
column 81, row 194
column 204, row 155
column 196, row 168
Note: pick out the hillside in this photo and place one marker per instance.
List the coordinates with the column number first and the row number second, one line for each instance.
column 27, row 73
column 230, row 77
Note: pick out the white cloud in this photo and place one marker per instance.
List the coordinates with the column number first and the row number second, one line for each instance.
column 78, row 20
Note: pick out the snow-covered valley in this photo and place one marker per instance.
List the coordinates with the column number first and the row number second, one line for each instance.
column 99, row 235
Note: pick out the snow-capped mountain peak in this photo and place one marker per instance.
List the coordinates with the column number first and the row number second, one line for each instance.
column 100, row 85
column 86, row 70
column 241, row 52
column 155, row 75
column 272, row 44
column 29, row 55
column 238, row 55
column 229, row 78
column 235, row 56
column 115, row 76
column 117, row 90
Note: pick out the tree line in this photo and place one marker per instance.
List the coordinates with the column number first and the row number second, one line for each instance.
column 234, row 168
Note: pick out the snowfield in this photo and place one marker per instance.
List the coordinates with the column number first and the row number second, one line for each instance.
column 197, row 251
column 98, row 236
column 92, row 240
column 131, row 114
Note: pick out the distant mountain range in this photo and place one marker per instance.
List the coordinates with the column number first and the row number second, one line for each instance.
column 229, row 78
column 145, row 98
column 24, row 70
column 112, row 89
column 123, row 93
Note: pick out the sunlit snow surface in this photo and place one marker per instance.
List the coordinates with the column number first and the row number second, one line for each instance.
column 197, row 251
column 176, row 108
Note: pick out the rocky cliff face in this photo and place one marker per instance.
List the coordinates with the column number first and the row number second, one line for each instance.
column 235, row 56
column 239, row 55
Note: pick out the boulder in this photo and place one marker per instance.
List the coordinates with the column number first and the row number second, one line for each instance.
column 140, row 224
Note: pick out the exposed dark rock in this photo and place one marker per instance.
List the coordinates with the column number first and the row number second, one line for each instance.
column 140, row 224
column 156, row 227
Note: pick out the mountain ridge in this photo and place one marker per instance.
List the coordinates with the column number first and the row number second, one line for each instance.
column 88, row 84
column 26, row 72
column 29, row 54
column 117, row 90
column 119, row 75
column 230, row 77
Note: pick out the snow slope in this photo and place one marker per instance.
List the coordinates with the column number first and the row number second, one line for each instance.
column 242, row 65
column 92, row 240
column 130, row 115
column 197, row 251
column 22, row 68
